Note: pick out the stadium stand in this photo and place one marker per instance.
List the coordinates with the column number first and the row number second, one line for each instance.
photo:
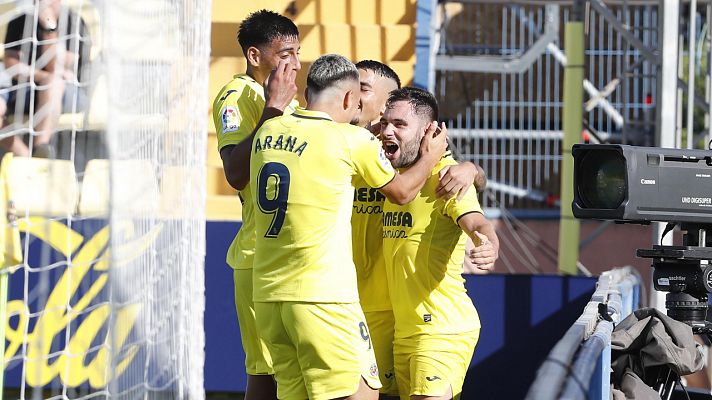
column 382, row 30
column 44, row 187
column 372, row 29
column 94, row 200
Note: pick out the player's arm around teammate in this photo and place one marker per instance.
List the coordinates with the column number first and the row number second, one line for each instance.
column 456, row 180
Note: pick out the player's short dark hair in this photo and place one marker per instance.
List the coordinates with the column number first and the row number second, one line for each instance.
column 262, row 27
column 328, row 70
column 422, row 101
column 380, row 69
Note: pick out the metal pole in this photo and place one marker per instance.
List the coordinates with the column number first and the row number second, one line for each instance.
column 572, row 124
column 667, row 74
column 709, row 77
column 426, row 34
column 691, row 75
column 667, row 107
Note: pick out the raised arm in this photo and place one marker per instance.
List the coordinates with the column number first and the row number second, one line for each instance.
column 485, row 239
column 404, row 187
column 280, row 89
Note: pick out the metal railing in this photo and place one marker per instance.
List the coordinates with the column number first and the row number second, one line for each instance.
column 578, row 366
column 499, row 78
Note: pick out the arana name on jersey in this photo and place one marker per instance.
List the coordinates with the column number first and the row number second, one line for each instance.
column 269, row 143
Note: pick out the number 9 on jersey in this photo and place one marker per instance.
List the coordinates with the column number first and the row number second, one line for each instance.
column 272, row 194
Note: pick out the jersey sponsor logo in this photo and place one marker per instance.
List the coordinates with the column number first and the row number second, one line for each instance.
column 230, row 119
column 367, row 209
column 368, row 194
column 398, row 218
column 432, row 378
column 427, row 317
column 268, row 142
column 394, row 234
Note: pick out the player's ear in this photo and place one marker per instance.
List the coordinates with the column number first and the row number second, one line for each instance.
column 349, row 99
column 306, row 94
column 253, row 55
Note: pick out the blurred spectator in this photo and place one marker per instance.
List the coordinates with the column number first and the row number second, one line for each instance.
column 53, row 62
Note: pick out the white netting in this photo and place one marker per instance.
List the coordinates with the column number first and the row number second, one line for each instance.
column 105, row 115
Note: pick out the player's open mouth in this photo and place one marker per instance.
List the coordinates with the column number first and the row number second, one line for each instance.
column 390, row 147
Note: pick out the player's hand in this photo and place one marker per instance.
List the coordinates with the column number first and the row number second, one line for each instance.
column 434, row 142
column 280, row 86
column 483, row 256
column 456, row 180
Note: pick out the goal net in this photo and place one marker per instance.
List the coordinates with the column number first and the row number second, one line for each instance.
column 102, row 193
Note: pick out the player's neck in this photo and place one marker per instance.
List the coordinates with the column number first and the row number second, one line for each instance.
column 256, row 74
column 327, row 107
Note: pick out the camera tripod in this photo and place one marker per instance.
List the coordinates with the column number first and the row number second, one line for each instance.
column 685, row 272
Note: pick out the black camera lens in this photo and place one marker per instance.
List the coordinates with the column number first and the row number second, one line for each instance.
column 602, row 180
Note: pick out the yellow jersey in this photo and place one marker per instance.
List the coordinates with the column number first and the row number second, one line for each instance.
column 425, row 248
column 236, row 111
column 301, row 172
column 367, row 243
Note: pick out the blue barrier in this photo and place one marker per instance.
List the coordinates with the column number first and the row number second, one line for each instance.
column 578, row 366
column 522, row 318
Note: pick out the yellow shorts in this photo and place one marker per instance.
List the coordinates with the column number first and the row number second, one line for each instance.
column 381, row 325
column 257, row 358
column 429, row 365
column 320, row 350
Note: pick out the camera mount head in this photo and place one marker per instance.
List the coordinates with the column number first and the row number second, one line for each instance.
column 685, row 272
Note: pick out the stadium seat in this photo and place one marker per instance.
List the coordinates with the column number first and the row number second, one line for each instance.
column 332, row 12
column 304, row 12
column 225, row 11
column 398, row 43
column 43, row 187
column 223, row 39
column 397, row 12
column 366, row 42
column 310, row 42
column 149, row 41
column 95, row 117
column 222, row 70
column 216, row 182
column 336, row 38
column 136, row 181
column 223, row 208
column 300, row 11
column 405, row 71
column 176, row 200
column 363, row 12
column 94, row 199
column 213, row 157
